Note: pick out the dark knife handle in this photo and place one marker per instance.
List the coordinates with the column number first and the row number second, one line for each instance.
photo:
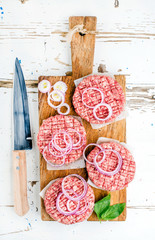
column 20, row 182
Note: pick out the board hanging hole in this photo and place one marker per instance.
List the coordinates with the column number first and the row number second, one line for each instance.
column 82, row 34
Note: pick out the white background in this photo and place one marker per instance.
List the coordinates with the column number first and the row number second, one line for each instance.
column 125, row 43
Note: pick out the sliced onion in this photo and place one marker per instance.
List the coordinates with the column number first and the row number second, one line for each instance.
column 61, row 86
column 84, row 191
column 71, row 200
column 97, row 89
column 44, row 86
column 76, row 144
column 66, row 212
column 76, row 148
column 65, row 149
column 84, row 209
column 52, row 164
column 55, row 97
column 68, row 145
column 62, row 154
column 92, row 144
column 57, row 147
column 112, row 172
column 63, row 105
column 76, row 199
column 62, row 99
column 109, row 109
column 79, row 135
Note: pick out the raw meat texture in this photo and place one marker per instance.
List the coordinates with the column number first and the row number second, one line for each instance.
column 119, row 180
column 113, row 95
column 55, row 124
column 71, row 183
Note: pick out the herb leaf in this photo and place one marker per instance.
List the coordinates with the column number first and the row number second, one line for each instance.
column 113, row 211
column 102, row 206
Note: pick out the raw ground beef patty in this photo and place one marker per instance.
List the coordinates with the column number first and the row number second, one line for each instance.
column 71, row 183
column 54, row 125
column 113, row 96
column 121, row 179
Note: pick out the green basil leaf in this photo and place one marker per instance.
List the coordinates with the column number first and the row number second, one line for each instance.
column 113, row 211
column 102, row 205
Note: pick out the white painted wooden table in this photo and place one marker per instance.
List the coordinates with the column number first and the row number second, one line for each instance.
column 35, row 33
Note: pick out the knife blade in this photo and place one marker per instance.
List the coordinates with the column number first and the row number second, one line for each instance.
column 22, row 140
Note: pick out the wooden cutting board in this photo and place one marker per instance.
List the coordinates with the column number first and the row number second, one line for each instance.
column 82, row 49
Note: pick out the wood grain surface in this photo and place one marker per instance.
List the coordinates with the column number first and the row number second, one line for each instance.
column 82, row 46
column 20, row 182
column 125, row 44
column 82, row 65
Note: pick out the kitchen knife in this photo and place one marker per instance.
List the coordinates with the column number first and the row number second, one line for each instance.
column 22, row 141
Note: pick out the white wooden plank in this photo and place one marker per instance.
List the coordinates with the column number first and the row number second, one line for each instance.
column 38, row 39
column 139, row 225
column 125, row 43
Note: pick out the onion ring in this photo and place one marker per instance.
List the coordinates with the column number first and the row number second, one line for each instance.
column 59, row 148
column 60, row 85
column 71, row 200
column 62, row 99
column 117, row 169
column 75, row 148
column 84, row 208
column 53, row 98
column 75, row 144
column 53, row 165
column 66, row 150
column 59, row 152
column 63, row 105
column 84, row 191
column 93, row 144
column 107, row 106
column 65, row 212
column 44, row 86
column 62, row 153
column 97, row 89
